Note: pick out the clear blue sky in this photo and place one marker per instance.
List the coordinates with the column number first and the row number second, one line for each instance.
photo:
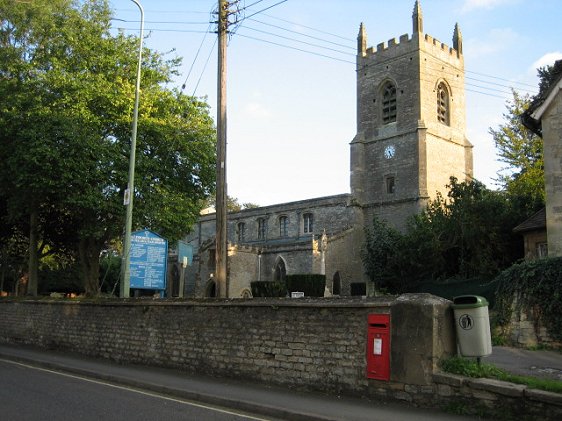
column 291, row 77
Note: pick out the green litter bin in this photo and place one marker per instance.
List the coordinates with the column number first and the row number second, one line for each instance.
column 472, row 325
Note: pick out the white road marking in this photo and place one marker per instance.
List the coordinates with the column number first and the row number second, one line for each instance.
column 141, row 392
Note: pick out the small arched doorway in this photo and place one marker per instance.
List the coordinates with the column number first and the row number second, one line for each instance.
column 336, row 284
column 211, row 289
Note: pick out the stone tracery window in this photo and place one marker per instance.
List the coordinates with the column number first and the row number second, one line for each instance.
column 443, row 104
column 389, row 103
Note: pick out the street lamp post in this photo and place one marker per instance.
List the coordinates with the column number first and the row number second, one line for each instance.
column 130, row 192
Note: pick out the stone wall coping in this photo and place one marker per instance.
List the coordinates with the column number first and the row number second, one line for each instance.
column 448, row 379
column 381, row 302
column 499, row 387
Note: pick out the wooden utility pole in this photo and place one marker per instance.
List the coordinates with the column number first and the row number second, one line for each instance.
column 221, row 214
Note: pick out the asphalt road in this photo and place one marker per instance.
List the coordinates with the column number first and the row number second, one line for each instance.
column 37, row 384
column 29, row 393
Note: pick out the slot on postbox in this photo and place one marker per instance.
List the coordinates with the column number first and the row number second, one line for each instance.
column 378, row 347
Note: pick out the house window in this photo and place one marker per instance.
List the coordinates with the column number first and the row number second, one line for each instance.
column 542, row 250
column 390, row 185
column 262, row 228
column 283, row 226
column 308, row 223
column 443, row 104
column 241, row 231
column 389, row 103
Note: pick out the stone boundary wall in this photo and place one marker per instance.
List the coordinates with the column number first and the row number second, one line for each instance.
column 304, row 344
column 527, row 330
column 496, row 399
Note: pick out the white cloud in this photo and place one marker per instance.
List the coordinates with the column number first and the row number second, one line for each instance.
column 546, row 60
column 470, row 5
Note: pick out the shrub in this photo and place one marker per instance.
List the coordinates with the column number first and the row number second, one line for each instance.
column 268, row 289
column 313, row 285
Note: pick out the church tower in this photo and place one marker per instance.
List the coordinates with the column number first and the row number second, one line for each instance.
column 410, row 123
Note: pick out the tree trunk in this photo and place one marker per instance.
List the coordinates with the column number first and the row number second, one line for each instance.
column 33, row 263
column 89, row 250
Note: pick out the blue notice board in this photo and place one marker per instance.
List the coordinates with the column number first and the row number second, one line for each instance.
column 149, row 258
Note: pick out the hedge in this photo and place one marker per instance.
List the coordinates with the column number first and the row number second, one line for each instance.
column 313, row 285
column 268, row 289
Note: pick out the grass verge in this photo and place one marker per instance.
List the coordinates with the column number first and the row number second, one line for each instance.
column 470, row 368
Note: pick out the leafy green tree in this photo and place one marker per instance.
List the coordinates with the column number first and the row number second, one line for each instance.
column 232, row 204
column 522, row 151
column 68, row 89
column 547, row 76
column 468, row 234
column 379, row 253
column 477, row 237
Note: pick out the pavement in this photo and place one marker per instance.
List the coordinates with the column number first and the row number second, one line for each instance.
column 256, row 398
column 541, row 364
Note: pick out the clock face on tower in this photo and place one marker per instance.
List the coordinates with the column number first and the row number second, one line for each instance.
column 389, row 151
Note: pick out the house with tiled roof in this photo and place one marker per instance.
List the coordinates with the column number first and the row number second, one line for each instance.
column 544, row 117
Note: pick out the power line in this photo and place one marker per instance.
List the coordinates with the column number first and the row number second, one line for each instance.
column 196, row 55
column 195, row 31
column 499, row 84
column 164, row 22
column 296, row 49
column 205, row 66
column 499, row 78
column 250, row 5
column 296, row 40
column 484, row 93
column 263, row 10
column 303, row 34
column 324, row 40
column 309, row 27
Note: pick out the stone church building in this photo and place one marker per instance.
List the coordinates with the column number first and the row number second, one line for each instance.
column 410, row 140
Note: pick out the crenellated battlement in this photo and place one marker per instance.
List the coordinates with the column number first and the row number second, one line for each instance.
column 405, row 43
column 389, row 45
column 441, row 45
column 419, row 40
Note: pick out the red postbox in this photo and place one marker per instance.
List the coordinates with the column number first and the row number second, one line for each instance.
column 378, row 347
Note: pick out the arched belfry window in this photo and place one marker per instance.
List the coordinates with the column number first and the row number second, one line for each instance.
column 388, row 103
column 443, row 114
